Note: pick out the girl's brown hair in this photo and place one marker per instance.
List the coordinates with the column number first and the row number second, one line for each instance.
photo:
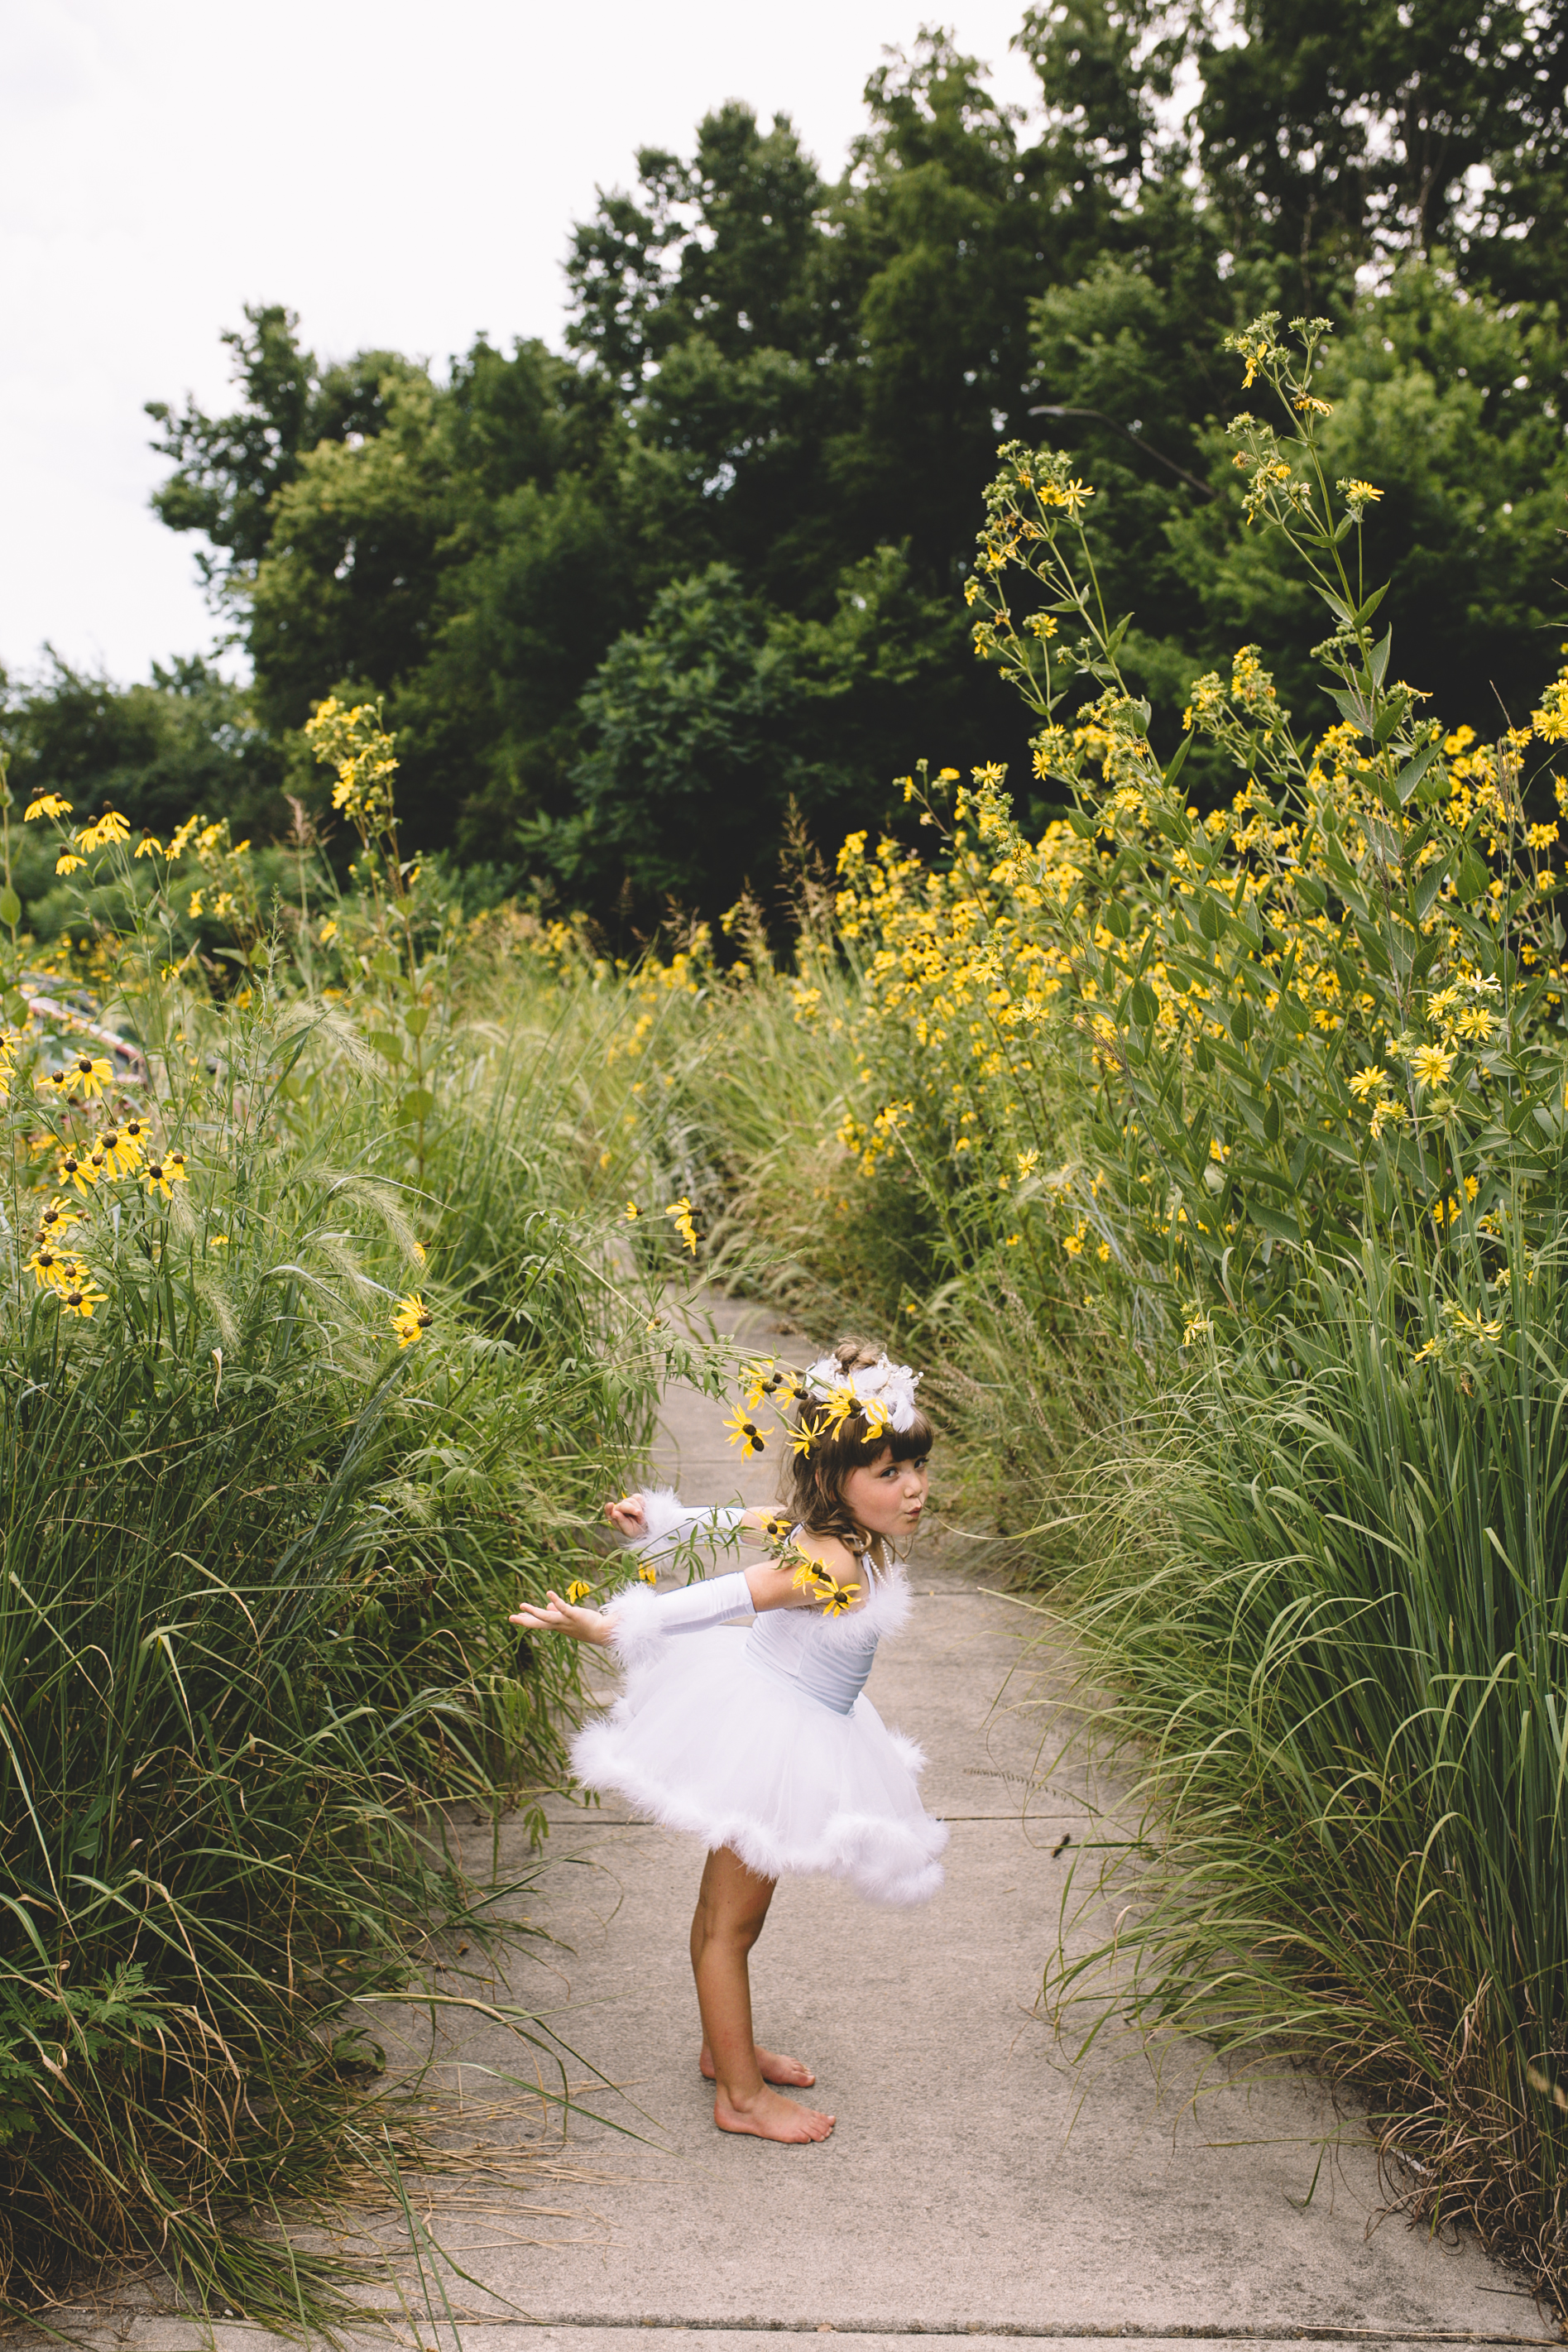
column 811, row 1484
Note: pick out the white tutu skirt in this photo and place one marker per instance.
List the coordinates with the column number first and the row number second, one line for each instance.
column 705, row 1743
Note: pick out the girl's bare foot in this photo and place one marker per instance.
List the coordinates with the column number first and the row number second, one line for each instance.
column 768, row 2116
column 769, row 2065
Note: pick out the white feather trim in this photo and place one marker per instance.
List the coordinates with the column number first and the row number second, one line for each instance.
column 636, row 1635
column 663, row 1511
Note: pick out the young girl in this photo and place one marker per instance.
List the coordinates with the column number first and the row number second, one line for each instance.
column 768, row 1749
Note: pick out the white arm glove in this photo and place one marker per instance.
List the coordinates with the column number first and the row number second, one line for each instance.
column 671, row 1522
column 641, row 1619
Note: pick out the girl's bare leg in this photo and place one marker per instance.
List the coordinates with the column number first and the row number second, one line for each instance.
column 732, row 1905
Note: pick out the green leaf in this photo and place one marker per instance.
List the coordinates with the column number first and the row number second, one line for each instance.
column 1241, row 1021
column 1473, row 876
column 1366, row 610
column 1084, row 826
column 1275, row 1222
column 418, row 1103
column 10, row 906
column 1211, row 917
column 1411, row 774
column 388, row 1043
column 1145, row 1004
column 1178, row 759
column 1113, row 915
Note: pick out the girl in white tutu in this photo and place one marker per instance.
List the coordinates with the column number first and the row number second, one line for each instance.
column 768, row 1749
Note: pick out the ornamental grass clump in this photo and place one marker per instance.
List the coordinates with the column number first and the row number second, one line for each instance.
column 283, row 1436
column 1330, row 1610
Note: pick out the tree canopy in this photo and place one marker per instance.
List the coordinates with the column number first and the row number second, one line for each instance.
column 628, row 603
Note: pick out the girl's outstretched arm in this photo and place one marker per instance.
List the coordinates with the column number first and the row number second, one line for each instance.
column 558, row 1616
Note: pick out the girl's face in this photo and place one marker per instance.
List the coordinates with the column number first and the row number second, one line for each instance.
column 886, row 1498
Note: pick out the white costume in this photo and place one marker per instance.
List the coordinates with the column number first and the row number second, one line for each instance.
column 765, row 1743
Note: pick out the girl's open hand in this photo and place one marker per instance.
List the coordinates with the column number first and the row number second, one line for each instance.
column 558, row 1616
column 627, row 1517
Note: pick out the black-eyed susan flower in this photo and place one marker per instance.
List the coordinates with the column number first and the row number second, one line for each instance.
column 132, row 1141
column 631, row 1213
column 412, row 1320
column 747, row 1434
column 802, row 1440
column 877, row 1423
column 57, row 1218
column 681, row 1212
column 155, row 1176
column 75, row 1170
column 840, row 1404
column 577, row 1590
column 46, row 805
column 51, row 1269
column 68, row 862
column 647, row 1573
column 109, row 827
column 841, row 1599
column 175, row 1165
column 81, row 1298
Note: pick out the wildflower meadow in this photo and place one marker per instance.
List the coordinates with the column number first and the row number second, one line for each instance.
column 1205, row 1143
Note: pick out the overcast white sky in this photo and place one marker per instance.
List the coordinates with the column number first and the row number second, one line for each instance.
column 402, row 175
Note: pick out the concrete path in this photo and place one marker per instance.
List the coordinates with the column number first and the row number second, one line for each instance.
column 974, row 2185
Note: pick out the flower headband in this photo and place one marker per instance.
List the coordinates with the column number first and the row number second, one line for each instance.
column 884, row 1390
column 882, row 1394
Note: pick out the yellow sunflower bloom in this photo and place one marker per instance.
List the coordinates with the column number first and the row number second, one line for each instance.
column 81, row 1298
column 412, row 1319
column 46, row 805
column 747, row 1434
column 81, row 1172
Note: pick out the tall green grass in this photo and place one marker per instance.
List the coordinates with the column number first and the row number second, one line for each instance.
column 256, row 1562
column 1331, row 1614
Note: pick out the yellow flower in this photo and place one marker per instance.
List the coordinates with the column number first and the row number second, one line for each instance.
column 81, row 1298
column 46, row 805
column 1359, row 494
column 326, row 934
column 218, row 1241
column 681, row 1210
column 82, row 1173
column 1368, row 1080
column 746, row 1433
column 632, row 1213
column 838, row 1404
column 1028, row 1161
column 1430, row 1064
column 52, row 1269
column 56, row 1220
column 647, row 1573
column 148, row 846
column 109, row 827
column 66, row 864
column 156, row 1177
column 577, row 1590
column 877, row 1423
column 194, row 908
column 412, row 1319
column 1198, row 1326
column 801, row 1441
